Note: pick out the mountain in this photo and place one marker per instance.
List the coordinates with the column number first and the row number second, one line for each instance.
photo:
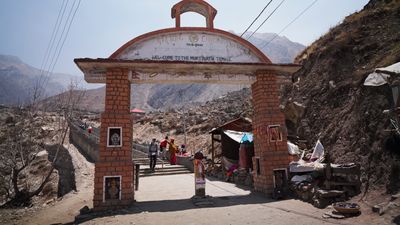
column 279, row 50
column 18, row 81
column 161, row 97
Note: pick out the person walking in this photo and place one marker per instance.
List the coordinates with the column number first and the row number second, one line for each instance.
column 153, row 152
column 163, row 147
column 173, row 149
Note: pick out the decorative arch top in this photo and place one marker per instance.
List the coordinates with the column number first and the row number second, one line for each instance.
column 186, row 55
column 199, row 6
column 191, row 44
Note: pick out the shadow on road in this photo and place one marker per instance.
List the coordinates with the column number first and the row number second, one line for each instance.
column 176, row 205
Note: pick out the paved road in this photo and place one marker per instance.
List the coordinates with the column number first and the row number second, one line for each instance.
column 167, row 200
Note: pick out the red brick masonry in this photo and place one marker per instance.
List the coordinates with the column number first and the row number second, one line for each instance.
column 115, row 161
column 272, row 153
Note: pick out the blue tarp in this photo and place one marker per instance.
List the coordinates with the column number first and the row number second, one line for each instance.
column 247, row 137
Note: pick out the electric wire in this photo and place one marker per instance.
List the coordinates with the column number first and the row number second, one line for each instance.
column 66, row 35
column 38, row 87
column 53, row 35
column 266, row 19
column 53, row 53
column 297, row 17
column 256, row 18
column 62, row 35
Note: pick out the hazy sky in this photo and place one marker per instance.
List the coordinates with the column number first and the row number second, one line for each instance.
column 102, row 26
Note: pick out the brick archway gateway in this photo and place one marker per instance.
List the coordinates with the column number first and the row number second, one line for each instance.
column 183, row 55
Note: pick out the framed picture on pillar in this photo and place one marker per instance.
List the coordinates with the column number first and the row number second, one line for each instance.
column 111, row 188
column 275, row 133
column 114, row 137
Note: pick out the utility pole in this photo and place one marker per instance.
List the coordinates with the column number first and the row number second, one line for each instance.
column 184, row 119
column 184, row 126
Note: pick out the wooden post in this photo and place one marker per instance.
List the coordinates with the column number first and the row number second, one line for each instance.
column 212, row 148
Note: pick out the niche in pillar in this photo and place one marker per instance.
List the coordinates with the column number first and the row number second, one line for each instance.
column 280, row 183
column 280, row 178
column 112, row 188
column 275, row 133
column 114, row 137
column 258, row 167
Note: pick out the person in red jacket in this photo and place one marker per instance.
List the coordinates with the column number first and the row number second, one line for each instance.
column 163, row 147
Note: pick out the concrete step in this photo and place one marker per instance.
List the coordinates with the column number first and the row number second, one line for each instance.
column 166, row 170
column 147, row 163
column 147, row 174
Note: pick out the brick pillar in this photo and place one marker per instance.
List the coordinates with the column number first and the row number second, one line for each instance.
column 114, row 169
column 270, row 135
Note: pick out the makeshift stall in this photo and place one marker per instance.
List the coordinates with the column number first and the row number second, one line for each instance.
column 322, row 183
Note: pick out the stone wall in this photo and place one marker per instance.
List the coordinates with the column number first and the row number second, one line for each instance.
column 186, row 162
column 87, row 144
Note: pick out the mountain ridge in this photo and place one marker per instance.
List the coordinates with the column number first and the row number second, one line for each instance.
column 148, row 96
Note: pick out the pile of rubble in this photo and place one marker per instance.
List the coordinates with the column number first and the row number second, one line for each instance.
column 314, row 179
column 196, row 120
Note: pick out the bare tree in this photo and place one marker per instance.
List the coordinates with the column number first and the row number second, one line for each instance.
column 21, row 143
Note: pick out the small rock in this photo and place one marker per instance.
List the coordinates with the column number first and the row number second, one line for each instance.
column 10, row 119
column 394, row 197
column 84, row 210
column 333, row 215
column 332, row 84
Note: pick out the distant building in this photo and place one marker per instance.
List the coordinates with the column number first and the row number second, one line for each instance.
column 137, row 113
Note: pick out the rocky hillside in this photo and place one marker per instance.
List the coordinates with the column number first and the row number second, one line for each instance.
column 199, row 120
column 338, row 109
column 161, row 97
column 18, row 81
column 280, row 50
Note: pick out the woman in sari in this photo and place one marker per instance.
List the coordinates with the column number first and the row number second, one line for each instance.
column 172, row 152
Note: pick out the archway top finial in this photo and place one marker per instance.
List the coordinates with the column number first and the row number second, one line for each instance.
column 198, row 6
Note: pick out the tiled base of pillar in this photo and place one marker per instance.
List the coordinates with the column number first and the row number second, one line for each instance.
column 264, row 182
column 113, row 185
column 112, row 205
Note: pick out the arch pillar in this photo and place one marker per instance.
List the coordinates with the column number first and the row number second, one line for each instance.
column 114, row 169
column 270, row 134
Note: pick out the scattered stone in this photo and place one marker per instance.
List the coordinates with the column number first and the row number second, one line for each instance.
column 332, row 84
column 47, row 128
column 42, row 153
column 84, row 210
column 10, row 119
column 333, row 214
column 203, row 201
column 83, row 218
column 382, row 208
column 394, row 197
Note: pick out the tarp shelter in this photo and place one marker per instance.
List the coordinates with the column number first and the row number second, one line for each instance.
column 387, row 75
column 230, row 136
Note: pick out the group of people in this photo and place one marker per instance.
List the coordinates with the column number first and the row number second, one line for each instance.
column 87, row 127
column 156, row 149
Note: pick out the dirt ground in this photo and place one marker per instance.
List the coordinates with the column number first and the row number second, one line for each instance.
column 66, row 208
column 167, row 200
